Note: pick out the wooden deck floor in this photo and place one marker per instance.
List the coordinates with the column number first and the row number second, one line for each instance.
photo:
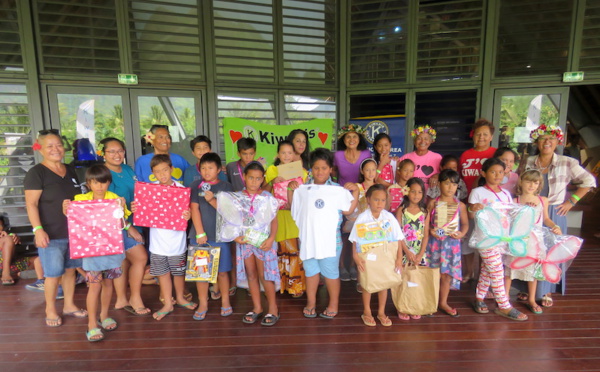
column 566, row 337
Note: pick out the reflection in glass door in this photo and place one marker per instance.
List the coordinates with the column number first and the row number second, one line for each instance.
column 519, row 111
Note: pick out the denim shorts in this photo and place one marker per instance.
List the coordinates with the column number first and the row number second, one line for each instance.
column 55, row 258
column 329, row 267
column 129, row 242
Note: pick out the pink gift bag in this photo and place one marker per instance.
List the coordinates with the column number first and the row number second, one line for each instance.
column 280, row 190
column 161, row 206
column 95, row 228
column 396, row 197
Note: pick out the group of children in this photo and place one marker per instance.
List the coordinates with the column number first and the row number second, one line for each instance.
column 304, row 240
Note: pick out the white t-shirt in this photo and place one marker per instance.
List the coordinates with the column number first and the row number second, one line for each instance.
column 386, row 221
column 167, row 242
column 316, row 211
column 486, row 196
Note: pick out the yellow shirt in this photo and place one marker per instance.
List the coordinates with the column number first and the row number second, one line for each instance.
column 286, row 228
column 108, row 195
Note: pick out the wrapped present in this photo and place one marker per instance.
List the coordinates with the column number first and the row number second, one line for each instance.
column 255, row 237
column 161, row 206
column 370, row 235
column 396, row 195
column 202, row 264
column 280, row 190
column 234, row 217
column 95, row 228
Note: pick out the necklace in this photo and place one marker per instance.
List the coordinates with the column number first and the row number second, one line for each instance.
column 538, row 163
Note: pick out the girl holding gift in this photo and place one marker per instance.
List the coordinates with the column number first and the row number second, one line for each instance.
column 257, row 261
column 376, row 199
column 314, row 208
column 443, row 248
column 492, row 272
column 290, row 266
column 528, row 190
column 396, row 192
column 103, row 269
column 413, row 218
column 368, row 174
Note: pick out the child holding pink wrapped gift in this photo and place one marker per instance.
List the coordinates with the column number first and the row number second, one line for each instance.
column 168, row 248
column 103, row 269
column 293, row 279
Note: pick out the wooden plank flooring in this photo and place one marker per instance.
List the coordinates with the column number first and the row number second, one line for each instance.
column 566, row 337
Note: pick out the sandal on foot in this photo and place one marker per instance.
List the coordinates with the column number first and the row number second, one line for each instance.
column 385, row 321
column 199, row 315
column 159, row 315
column 326, row 314
column 368, row 320
column 189, row 305
column 226, row 311
column 92, row 335
column 215, row 295
column 8, row 282
column 269, row 320
column 53, row 322
column 513, row 314
column 415, row 317
column 108, row 324
column 402, row 316
column 522, row 296
column 188, row 296
column 232, row 291
column 453, row 313
column 547, row 301
column 480, row 307
column 140, row 311
column 77, row 314
column 251, row 317
column 309, row 313
column 536, row 309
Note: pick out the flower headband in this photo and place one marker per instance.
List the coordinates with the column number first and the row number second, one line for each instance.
column 351, row 128
column 544, row 129
column 423, row 129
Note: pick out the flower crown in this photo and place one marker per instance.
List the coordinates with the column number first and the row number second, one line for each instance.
column 351, row 128
column 544, row 129
column 423, row 129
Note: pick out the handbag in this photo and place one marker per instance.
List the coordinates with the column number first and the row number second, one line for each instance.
column 202, row 264
column 419, row 292
column 380, row 267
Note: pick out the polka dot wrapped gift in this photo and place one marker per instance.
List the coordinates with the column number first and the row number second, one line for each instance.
column 95, row 228
column 161, row 206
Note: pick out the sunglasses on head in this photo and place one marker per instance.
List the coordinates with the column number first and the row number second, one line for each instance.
column 44, row 132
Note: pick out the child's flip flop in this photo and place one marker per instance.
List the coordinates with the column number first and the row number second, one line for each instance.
column 226, row 311
column 54, row 322
column 368, row 320
column 513, row 314
column 199, row 315
column 92, row 335
column 269, row 320
column 251, row 317
column 189, row 305
column 108, row 324
column 159, row 315
column 309, row 313
column 328, row 314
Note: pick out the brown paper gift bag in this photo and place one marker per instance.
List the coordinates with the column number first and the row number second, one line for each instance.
column 380, row 268
column 419, row 292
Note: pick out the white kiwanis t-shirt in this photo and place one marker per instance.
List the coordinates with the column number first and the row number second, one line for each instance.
column 316, row 211
column 485, row 196
column 386, row 220
column 167, row 242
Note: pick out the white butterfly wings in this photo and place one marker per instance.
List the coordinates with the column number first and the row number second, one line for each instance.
column 502, row 224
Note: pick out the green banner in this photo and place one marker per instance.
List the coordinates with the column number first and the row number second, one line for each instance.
column 268, row 136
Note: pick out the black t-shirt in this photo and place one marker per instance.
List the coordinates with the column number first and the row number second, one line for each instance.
column 55, row 189
column 208, row 213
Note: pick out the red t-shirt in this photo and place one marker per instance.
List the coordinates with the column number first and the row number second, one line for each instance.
column 470, row 165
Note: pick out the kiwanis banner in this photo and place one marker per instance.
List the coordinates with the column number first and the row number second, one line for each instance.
column 393, row 125
column 268, row 136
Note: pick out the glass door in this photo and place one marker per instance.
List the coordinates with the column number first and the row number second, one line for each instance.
column 518, row 111
column 86, row 115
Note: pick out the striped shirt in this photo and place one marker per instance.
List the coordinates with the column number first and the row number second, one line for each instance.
column 562, row 170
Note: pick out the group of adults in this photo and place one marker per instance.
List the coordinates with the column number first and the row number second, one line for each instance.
column 558, row 171
column 50, row 182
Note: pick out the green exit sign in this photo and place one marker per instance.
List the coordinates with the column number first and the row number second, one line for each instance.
column 572, row 76
column 128, row 79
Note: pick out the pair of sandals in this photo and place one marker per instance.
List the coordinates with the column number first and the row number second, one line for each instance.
column 311, row 313
column 481, row 308
column 268, row 321
column 369, row 321
column 96, row 334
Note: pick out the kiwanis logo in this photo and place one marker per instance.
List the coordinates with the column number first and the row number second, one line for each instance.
column 374, row 128
column 319, row 203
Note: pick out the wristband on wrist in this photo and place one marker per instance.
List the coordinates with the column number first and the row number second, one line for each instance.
column 577, row 198
column 127, row 226
column 571, row 201
column 200, row 235
column 37, row 228
column 11, row 234
column 378, row 171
